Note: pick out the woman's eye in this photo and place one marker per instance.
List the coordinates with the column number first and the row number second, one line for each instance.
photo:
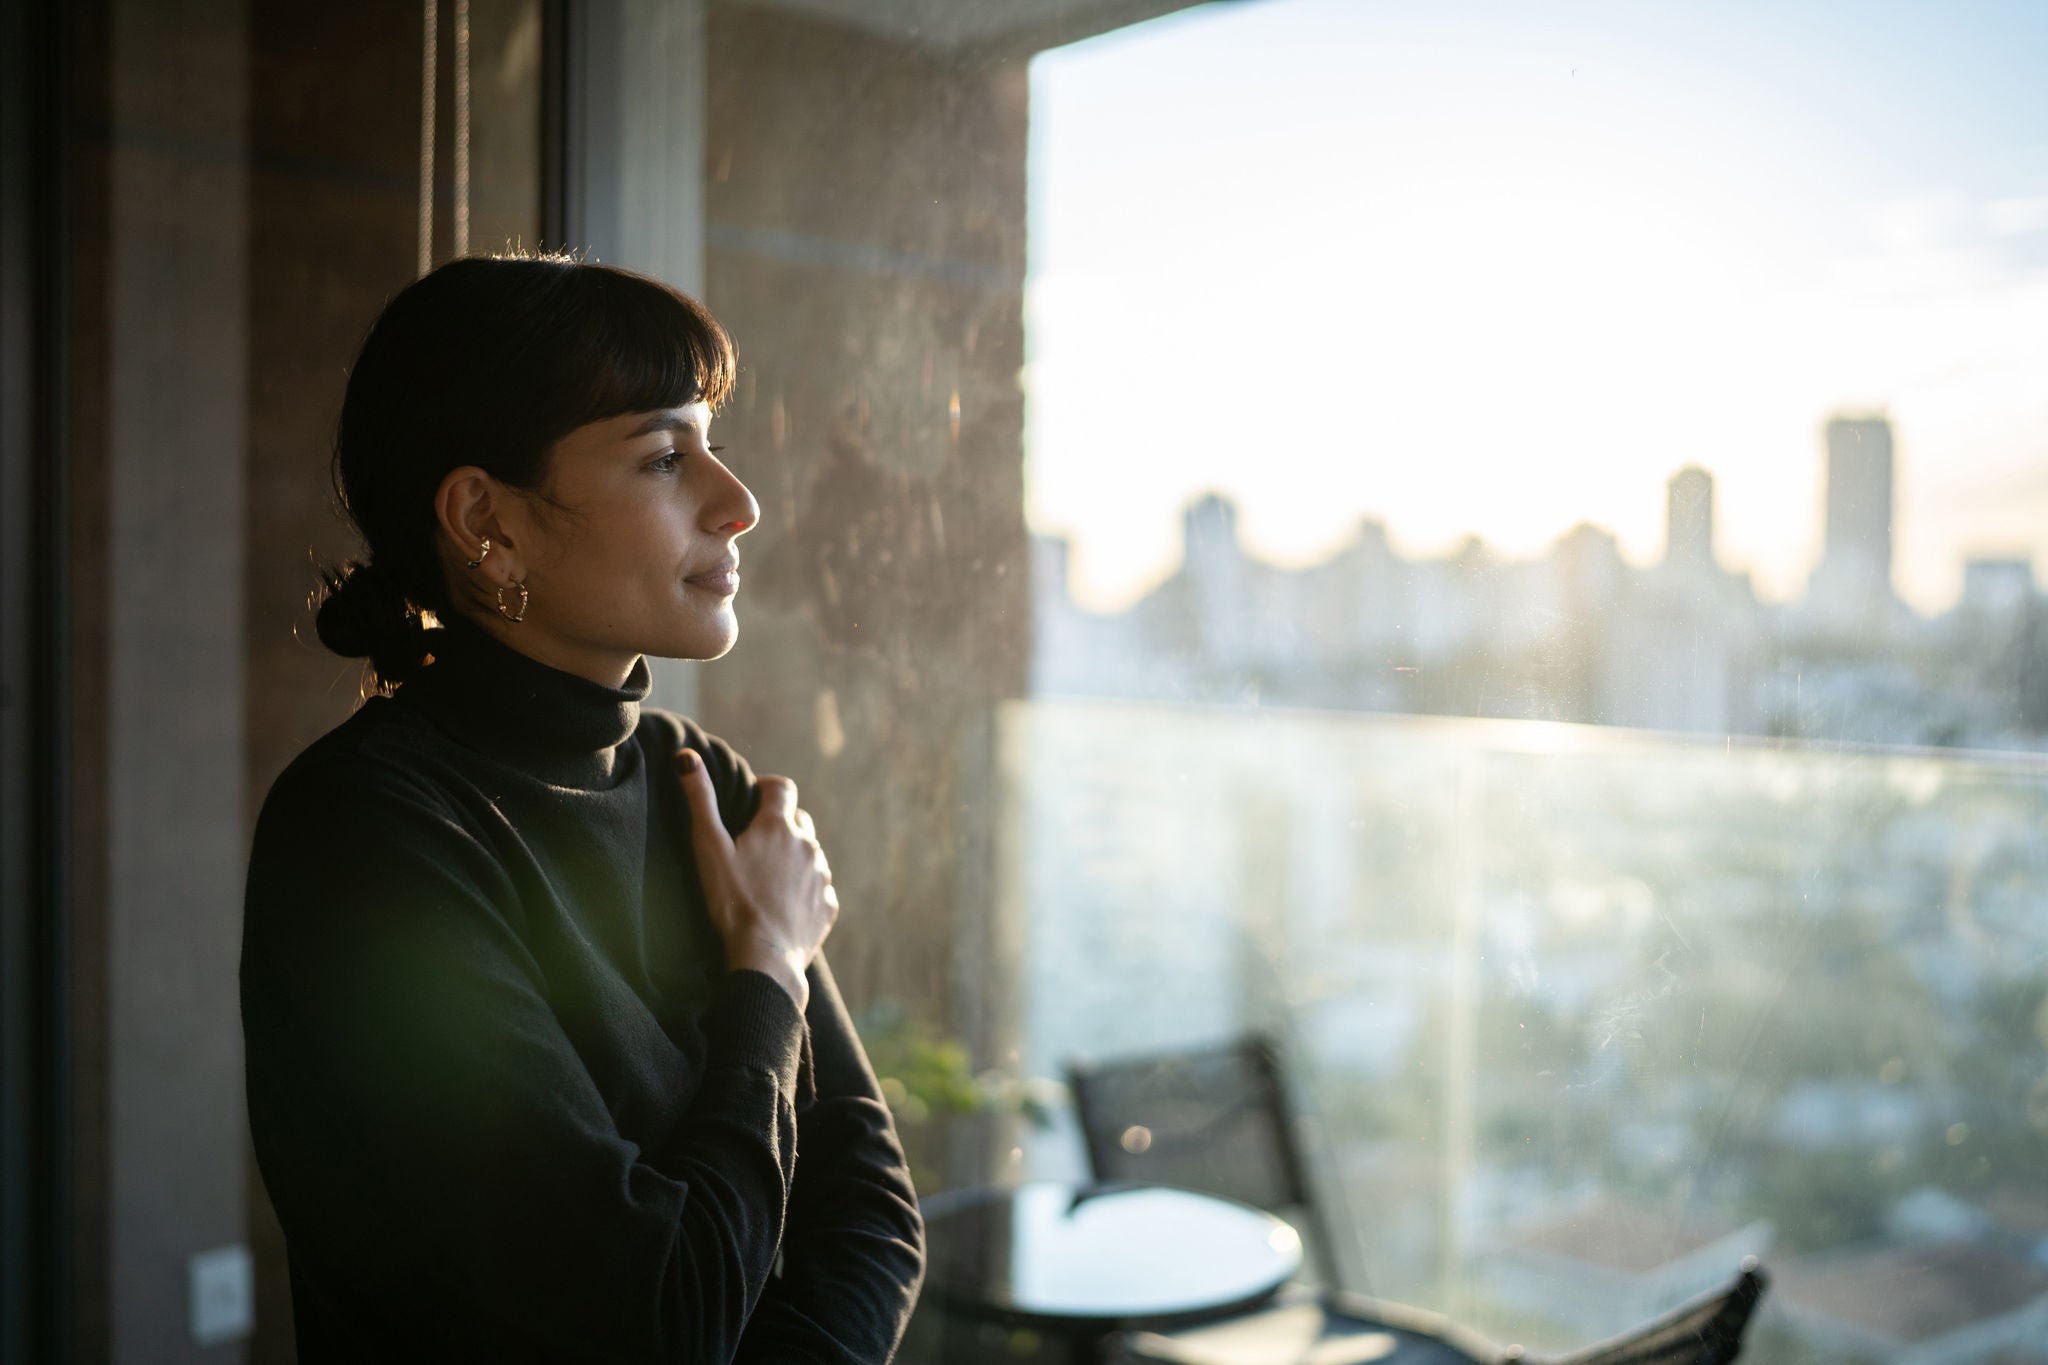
column 666, row 462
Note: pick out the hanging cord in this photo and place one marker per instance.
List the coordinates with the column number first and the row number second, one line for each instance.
column 430, row 43
column 462, row 127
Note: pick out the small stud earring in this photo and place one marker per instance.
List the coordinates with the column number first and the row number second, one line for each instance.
column 478, row 561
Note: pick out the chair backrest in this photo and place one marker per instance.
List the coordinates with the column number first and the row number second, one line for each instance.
column 1705, row 1331
column 1214, row 1119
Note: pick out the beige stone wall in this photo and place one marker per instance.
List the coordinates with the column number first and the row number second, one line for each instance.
column 865, row 245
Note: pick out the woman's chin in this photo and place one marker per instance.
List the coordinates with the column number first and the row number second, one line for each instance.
column 708, row 637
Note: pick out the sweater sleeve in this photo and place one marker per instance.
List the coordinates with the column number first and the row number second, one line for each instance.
column 409, row 1084
column 853, row 1252
column 854, row 1247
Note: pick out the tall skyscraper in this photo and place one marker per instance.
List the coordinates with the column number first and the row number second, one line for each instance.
column 1858, row 558
column 1209, row 532
column 1216, row 576
column 1689, row 520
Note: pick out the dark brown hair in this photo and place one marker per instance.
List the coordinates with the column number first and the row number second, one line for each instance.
column 489, row 361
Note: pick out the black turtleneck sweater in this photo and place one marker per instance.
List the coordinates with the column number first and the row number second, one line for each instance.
column 507, row 1100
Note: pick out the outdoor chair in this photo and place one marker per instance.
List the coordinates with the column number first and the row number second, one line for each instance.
column 1349, row 1329
column 1217, row 1119
column 1703, row 1331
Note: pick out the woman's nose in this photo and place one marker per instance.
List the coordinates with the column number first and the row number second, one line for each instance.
column 733, row 511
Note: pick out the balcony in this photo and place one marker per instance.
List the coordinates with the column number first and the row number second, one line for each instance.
column 1581, row 1015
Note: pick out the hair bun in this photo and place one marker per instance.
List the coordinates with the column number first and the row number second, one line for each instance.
column 365, row 614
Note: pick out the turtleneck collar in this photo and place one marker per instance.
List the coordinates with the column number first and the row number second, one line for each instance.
column 558, row 726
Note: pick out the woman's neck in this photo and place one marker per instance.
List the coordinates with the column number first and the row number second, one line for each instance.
column 606, row 668
column 554, row 724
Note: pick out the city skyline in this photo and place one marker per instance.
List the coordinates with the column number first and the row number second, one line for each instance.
column 1577, row 633
column 1495, row 270
column 1690, row 539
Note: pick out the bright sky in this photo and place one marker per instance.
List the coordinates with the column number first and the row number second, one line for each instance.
column 1500, row 266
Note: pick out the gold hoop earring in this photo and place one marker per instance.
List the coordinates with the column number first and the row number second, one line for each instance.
column 519, row 615
column 478, row 561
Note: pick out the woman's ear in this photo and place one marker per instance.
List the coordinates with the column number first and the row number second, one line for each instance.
column 467, row 507
column 470, row 508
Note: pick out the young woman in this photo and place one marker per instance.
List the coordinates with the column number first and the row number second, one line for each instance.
column 543, row 1061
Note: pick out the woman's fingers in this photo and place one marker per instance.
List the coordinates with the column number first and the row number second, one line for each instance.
column 778, row 798
column 707, row 831
column 771, row 888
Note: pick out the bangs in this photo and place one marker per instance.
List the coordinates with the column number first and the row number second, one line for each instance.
column 568, row 342
column 637, row 345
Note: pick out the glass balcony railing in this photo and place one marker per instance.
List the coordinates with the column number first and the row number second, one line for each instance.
column 1581, row 1016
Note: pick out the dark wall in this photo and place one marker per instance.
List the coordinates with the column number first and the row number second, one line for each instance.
column 154, row 481
column 335, row 117
column 34, row 1182
column 245, row 188
column 85, row 552
column 333, row 192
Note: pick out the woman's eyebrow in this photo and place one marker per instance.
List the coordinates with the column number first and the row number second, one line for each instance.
column 663, row 421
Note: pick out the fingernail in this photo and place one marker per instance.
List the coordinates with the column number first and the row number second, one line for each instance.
column 687, row 760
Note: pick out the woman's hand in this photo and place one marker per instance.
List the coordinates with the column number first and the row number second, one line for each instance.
column 770, row 890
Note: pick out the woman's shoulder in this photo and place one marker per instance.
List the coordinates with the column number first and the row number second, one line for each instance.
column 381, row 756
column 378, row 797
column 663, row 733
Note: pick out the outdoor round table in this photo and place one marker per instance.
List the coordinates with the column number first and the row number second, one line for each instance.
column 1083, row 1262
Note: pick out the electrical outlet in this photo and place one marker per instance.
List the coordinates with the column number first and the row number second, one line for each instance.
column 223, row 1294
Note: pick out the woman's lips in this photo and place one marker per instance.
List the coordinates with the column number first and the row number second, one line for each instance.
column 725, row 582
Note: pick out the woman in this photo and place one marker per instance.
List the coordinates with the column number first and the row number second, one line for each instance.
column 543, row 1063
